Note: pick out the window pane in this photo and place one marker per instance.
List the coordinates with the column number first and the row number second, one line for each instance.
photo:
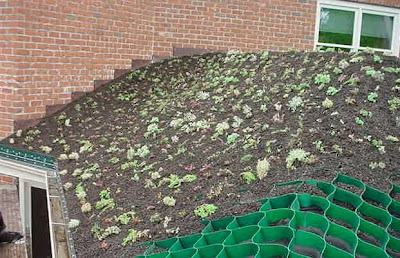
column 376, row 31
column 331, row 49
column 336, row 26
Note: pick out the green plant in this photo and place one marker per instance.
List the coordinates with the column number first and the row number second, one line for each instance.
column 247, row 111
column 143, row 151
column 155, row 218
column 78, row 107
column 337, row 70
column 113, row 160
column 372, row 96
column 73, row 223
column 189, row 178
column 377, row 59
column 153, row 129
column 392, row 138
column 322, row 79
column 377, row 75
column 327, row 103
column 332, row 91
column 379, row 145
column 374, row 165
column 394, row 103
column 263, row 167
column 295, row 103
column 125, row 217
column 46, row 149
column 174, row 181
column 320, row 146
column 297, row 155
column 169, row 201
column 246, row 158
column 365, row 113
column 86, row 207
column 126, row 96
column 220, row 128
column 232, row 138
column 131, row 237
column 87, row 146
column 106, row 202
column 80, row 192
column 205, row 210
column 248, row 177
column 113, row 149
column 357, row 59
column 128, row 165
column 359, row 121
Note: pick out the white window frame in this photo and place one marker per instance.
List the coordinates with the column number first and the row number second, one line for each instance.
column 359, row 9
column 29, row 177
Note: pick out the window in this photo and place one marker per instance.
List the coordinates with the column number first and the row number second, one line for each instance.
column 352, row 26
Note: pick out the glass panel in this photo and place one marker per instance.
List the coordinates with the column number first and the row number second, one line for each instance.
column 376, row 31
column 331, row 49
column 336, row 26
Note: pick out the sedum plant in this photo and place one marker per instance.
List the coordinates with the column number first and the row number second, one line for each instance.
column 169, row 201
column 299, row 155
column 248, row 177
column 205, row 210
column 263, row 167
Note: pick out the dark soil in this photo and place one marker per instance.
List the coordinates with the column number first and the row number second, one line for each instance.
column 339, row 243
column 350, row 188
column 395, row 214
column 395, row 196
column 284, row 241
column 282, row 222
column 344, row 205
column 375, row 203
column 368, row 238
column 313, row 208
column 340, row 222
column 307, row 251
column 311, row 189
column 170, row 114
column 314, row 230
column 370, row 219
column 394, row 232
column 393, row 253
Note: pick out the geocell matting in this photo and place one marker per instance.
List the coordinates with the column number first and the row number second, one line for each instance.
column 349, row 219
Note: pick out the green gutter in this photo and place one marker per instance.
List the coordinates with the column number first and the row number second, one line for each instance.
column 28, row 158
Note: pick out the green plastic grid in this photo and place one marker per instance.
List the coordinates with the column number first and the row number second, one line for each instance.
column 342, row 224
column 28, row 158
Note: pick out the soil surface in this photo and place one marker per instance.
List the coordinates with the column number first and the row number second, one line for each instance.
column 222, row 129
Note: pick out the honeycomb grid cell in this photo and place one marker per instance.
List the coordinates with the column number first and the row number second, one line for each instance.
column 352, row 220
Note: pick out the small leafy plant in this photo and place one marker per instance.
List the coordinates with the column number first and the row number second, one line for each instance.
column 327, row 103
column 295, row 103
column 263, row 167
column 322, row 79
column 205, row 210
column 299, row 155
column 359, row 121
column 106, row 202
column 332, row 91
column 169, row 201
column 372, row 97
column 248, row 177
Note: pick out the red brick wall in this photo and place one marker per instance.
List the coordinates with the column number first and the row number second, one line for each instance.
column 246, row 25
column 390, row 3
column 51, row 48
column 7, row 180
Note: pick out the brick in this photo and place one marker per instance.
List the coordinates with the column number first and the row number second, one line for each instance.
column 52, row 51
